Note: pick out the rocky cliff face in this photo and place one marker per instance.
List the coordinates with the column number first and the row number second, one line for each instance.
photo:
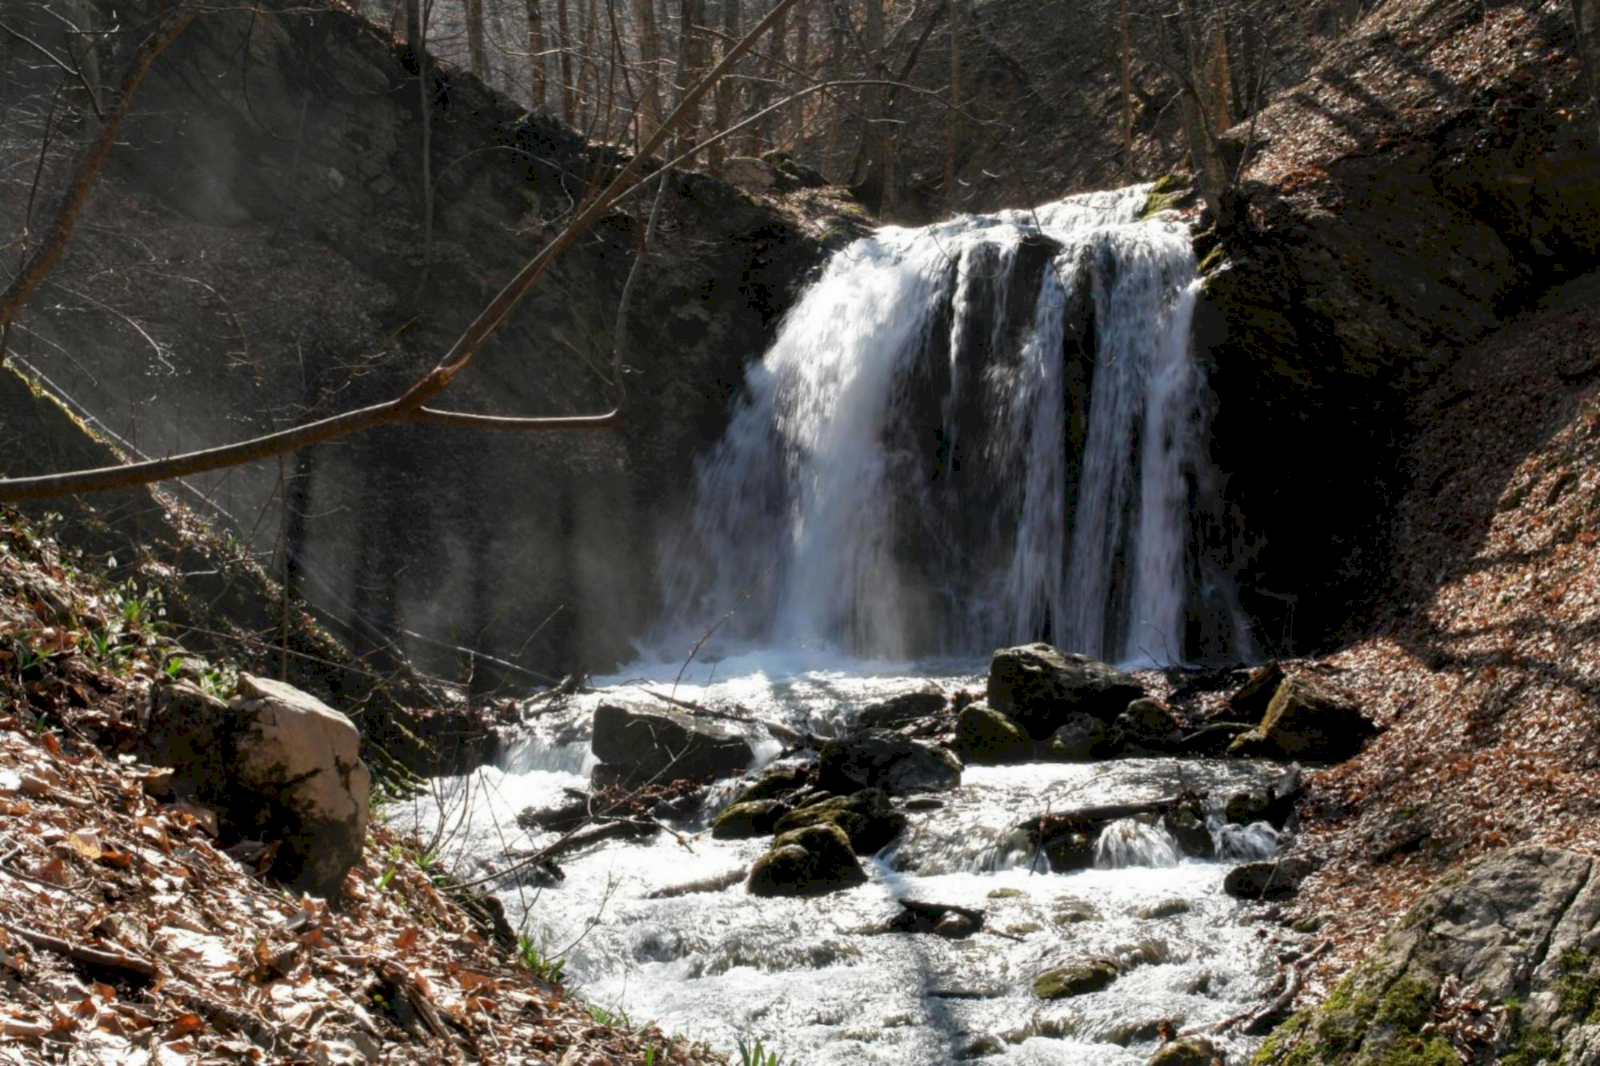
column 257, row 253
column 1434, row 173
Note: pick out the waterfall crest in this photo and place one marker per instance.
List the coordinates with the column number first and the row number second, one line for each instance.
column 976, row 433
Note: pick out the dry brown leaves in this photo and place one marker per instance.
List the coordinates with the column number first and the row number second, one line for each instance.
column 127, row 935
column 1485, row 670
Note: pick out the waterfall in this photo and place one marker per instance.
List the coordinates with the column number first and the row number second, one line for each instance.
column 976, row 433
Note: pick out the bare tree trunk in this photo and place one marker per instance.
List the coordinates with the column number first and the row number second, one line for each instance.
column 650, row 72
column 569, row 97
column 414, row 31
column 1586, row 21
column 802, row 62
column 726, row 88
column 765, row 134
column 876, row 186
column 589, row 68
column 536, row 68
column 691, row 61
column 830, row 142
column 477, row 48
column 1210, row 172
column 1219, row 78
column 953, row 120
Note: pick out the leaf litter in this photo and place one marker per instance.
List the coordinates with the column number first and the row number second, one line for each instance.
column 129, row 936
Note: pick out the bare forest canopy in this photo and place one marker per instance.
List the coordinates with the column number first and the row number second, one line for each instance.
column 921, row 107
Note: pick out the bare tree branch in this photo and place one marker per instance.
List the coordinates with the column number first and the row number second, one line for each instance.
column 411, row 405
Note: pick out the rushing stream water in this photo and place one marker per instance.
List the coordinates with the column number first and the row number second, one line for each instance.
column 979, row 433
column 810, row 977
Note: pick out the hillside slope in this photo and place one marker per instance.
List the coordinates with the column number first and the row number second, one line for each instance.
column 1484, row 665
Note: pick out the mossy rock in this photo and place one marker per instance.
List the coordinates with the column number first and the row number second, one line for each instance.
column 774, row 783
column 1306, row 720
column 744, row 820
column 1077, row 979
column 1169, row 192
column 806, row 862
column 865, row 817
column 1190, row 1051
column 986, row 736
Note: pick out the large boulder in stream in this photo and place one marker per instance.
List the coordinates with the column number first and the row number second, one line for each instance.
column 806, row 862
column 636, row 744
column 1306, row 720
column 277, row 764
column 986, row 736
column 866, row 818
column 1510, row 945
column 1038, row 687
column 877, row 758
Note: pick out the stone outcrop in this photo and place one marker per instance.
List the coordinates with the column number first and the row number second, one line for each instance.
column 277, row 765
column 636, row 744
column 1414, row 193
column 1306, row 720
column 1038, row 687
column 1511, row 940
column 272, row 161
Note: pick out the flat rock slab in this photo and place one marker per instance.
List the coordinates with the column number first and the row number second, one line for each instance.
column 1517, row 930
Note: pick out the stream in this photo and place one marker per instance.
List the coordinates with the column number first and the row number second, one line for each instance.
column 812, row 977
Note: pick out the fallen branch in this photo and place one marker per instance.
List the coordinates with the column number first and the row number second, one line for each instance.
column 115, row 961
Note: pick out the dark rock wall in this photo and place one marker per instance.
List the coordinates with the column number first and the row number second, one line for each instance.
column 255, row 253
column 1435, row 172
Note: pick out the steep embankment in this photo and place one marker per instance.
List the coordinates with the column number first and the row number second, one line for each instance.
column 131, row 933
column 259, row 251
column 1483, row 668
column 1435, row 172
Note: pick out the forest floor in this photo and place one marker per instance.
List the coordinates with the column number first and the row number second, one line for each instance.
column 1483, row 664
column 129, row 934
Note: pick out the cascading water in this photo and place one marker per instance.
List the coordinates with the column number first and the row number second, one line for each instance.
column 978, row 433
column 981, row 432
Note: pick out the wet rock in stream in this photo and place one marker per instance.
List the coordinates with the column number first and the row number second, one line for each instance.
column 637, row 744
column 753, row 818
column 1038, row 687
column 986, row 736
column 865, row 817
column 806, row 862
column 877, row 758
column 1075, row 979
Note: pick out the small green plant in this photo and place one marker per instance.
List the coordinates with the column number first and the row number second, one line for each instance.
column 615, row 1019
column 752, row 1053
column 545, row 967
